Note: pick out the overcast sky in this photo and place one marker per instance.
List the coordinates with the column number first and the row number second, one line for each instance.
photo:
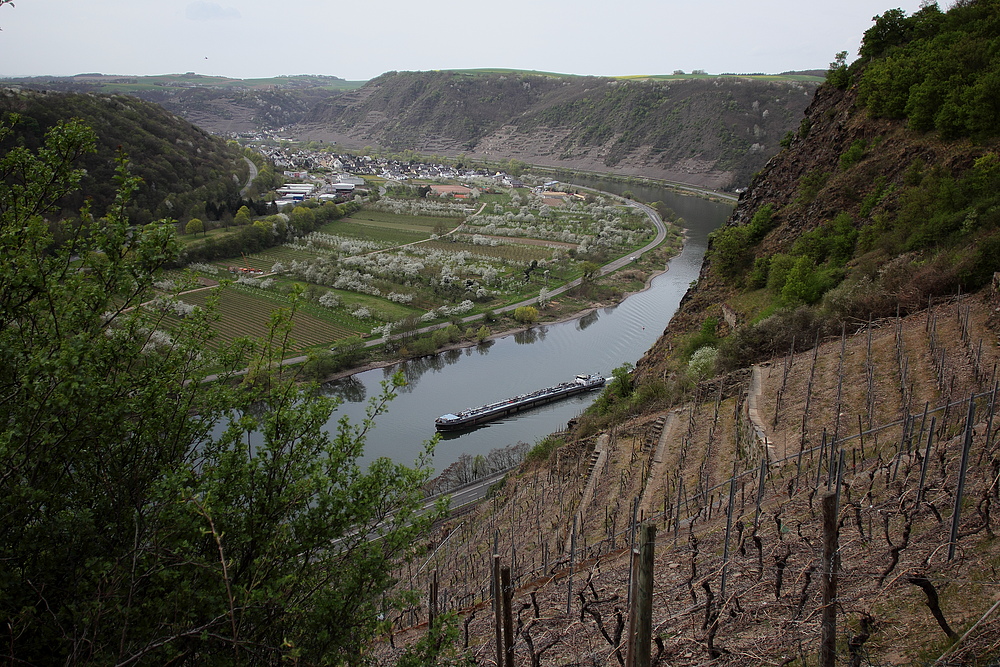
column 358, row 40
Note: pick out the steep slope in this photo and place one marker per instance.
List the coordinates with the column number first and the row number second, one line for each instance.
column 181, row 165
column 850, row 357
column 713, row 132
column 859, row 216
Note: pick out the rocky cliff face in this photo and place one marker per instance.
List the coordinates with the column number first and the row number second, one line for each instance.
column 714, row 133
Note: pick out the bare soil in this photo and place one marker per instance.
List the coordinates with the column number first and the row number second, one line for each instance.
column 571, row 568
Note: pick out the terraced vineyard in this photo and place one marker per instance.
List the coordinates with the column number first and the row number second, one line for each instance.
column 898, row 420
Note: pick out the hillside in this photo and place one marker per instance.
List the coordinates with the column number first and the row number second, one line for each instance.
column 863, row 214
column 713, row 132
column 563, row 524
column 182, row 167
column 710, row 131
column 219, row 105
column 842, row 338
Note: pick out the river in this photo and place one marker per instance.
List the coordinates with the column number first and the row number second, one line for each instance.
column 523, row 362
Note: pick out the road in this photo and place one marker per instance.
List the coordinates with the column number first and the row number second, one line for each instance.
column 253, row 175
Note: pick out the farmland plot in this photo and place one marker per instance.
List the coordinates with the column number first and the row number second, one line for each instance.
column 425, row 258
column 247, row 312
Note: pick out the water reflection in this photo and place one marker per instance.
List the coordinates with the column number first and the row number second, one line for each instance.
column 350, row 388
column 587, row 320
column 529, row 336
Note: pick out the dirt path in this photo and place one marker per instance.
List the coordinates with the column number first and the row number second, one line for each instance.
column 597, row 462
column 758, row 377
column 671, row 433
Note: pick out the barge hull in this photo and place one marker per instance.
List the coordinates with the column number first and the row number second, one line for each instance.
column 499, row 410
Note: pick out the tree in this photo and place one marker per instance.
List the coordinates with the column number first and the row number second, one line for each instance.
column 837, row 75
column 526, row 314
column 139, row 520
column 242, row 217
column 589, row 270
column 194, row 226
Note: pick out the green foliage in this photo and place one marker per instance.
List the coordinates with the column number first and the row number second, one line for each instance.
column 804, row 127
column 803, row 284
column 831, row 242
column 730, row 251
column 180, row 166
column 526, row 314
column 854, row 154
column 437, row 648
column 810, row 185
column 837, row 76
column 163, row 518
column 732, row 247
column 543, row 449
column 759, row 273
column 778, row 269
column 194, row 226
column 706, row 336
column 621, row 381
column 242, row 217
column 938, row 71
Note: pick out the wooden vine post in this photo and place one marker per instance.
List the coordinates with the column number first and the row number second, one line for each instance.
column 641, row 613
column 828, row 642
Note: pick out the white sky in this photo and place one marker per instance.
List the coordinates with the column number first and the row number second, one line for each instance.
column 357, row 41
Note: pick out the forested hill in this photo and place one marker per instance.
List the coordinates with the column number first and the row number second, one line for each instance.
column 714, row 132
column 181, row 165
column 889, row 195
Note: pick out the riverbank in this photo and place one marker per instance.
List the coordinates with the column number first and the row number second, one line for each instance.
column 553, row 319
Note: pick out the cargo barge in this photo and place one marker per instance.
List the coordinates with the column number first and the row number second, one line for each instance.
column 491, row 411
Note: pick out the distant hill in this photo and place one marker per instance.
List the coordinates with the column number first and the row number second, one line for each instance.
column 214, row 103
column 706, row 130
column 182, row 166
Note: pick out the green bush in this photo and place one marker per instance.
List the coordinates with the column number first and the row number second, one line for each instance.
column 810, row 185
column 543, row 449
column 854, row 154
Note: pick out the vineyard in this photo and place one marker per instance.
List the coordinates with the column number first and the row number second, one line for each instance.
column 246, row 312
column 893, row 425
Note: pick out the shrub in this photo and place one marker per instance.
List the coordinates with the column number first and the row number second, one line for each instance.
column 854, row 154
column 526, row 314
column 773, row 336
column 702, row 363
column 543, row 450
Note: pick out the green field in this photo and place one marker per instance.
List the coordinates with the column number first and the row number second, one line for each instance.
column 246, row 314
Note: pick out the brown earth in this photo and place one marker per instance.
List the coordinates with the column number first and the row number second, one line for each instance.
column 570, row 608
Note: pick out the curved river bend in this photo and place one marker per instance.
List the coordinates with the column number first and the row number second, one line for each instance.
column 520, row 363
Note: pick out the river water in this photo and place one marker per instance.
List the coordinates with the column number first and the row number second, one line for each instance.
column 520, row 363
